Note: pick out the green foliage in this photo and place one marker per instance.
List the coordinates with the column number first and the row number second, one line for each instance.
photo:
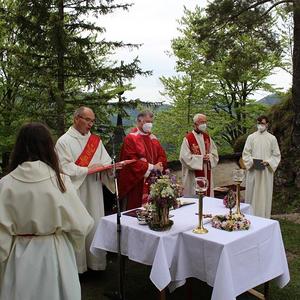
column 170, row 127
column 240, row 143
column 285, row 116
column 61, row 54
column 281, row 116
column 53, row 60
column 219, row 69
column 286, row 197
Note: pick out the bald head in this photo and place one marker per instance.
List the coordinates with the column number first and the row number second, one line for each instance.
column 81, row 110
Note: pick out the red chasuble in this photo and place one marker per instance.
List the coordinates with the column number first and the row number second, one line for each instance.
column 195, row 149
column 88, row 152
column 145, row 149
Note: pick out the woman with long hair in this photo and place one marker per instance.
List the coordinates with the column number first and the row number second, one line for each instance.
column 42, row 222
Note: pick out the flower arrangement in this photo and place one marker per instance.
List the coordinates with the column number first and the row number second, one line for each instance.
column 230, row 200
column 164, row 191
column 230, row 222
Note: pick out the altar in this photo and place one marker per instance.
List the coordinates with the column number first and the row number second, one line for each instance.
column 231, row 261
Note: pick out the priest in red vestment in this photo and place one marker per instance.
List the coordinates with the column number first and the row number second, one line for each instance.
column 142, row 145
column 198, row 157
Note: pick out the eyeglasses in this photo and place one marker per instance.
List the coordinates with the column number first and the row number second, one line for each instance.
column 88, row 120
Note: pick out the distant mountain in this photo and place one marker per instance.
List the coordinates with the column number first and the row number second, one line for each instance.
column 133, row 112
column 270, row 99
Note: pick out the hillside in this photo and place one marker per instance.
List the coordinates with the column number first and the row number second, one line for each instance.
column 271, row 99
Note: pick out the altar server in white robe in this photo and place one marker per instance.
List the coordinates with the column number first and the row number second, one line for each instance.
column 42, row 221
column 261, row 145
column 79, row 152
column 198, row 156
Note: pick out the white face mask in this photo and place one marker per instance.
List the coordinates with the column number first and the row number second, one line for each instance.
column 202, row 127
column 147, row 127
column 261, row 128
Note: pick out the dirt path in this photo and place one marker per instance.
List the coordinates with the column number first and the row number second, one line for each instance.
column 295, row 217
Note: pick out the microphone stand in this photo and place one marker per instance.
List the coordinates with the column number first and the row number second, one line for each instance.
column 120, row 295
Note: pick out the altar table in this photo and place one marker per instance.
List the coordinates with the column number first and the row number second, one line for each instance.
column 232, row 262
column 148, row 247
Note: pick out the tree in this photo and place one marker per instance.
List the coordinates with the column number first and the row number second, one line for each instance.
column 222, row 68
column 12, row 90
column 63, row 56
column 231, row 11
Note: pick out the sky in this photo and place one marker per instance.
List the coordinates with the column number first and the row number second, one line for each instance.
column 154, row 23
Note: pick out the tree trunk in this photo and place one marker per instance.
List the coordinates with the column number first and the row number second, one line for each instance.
column 296, row 76
column 60, row 74
column 189, row 99
column 119, row 133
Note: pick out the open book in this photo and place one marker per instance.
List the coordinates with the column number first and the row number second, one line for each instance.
column 107, row 167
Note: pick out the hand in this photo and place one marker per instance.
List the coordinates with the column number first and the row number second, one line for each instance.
column 206, row 157
column 159, row 167
column 94, row 166
column 265, row 163
column 120, row 165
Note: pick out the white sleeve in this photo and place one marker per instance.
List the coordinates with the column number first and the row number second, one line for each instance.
column 275, row 155
column 106, row 176
column 5, row 243
column 213, row 155
column 68, row 166
column 192, row 161
column 76, row 221
column 247, row 153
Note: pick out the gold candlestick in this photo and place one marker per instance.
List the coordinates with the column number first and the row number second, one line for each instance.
column 238, row 198
column 200, row 229
column 238, row 176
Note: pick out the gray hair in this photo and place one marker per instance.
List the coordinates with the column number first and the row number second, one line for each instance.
column 144, row 114
column 80, row 110
column 197, row 116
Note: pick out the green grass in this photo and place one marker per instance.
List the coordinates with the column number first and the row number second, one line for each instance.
column 286, row 200
column 291, row 237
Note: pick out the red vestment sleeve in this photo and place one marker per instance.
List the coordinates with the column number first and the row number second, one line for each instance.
column 161, row 154
column 132, row 174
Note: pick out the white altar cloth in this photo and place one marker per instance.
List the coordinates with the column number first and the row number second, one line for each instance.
column 150, row 247
column 232, row 262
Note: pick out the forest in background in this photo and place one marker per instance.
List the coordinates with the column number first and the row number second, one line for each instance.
column 54, row 58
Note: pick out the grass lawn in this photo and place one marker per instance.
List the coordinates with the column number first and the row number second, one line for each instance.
column 291, row 237
column 139, row 286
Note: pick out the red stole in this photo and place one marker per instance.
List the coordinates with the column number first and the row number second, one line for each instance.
column 88, row 152
column 195, row 149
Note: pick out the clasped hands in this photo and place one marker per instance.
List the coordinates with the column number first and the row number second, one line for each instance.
column 159, row 167
column 206, row 158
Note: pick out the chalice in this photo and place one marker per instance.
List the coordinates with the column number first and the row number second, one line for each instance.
column 238, row 176
column 201, row 185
